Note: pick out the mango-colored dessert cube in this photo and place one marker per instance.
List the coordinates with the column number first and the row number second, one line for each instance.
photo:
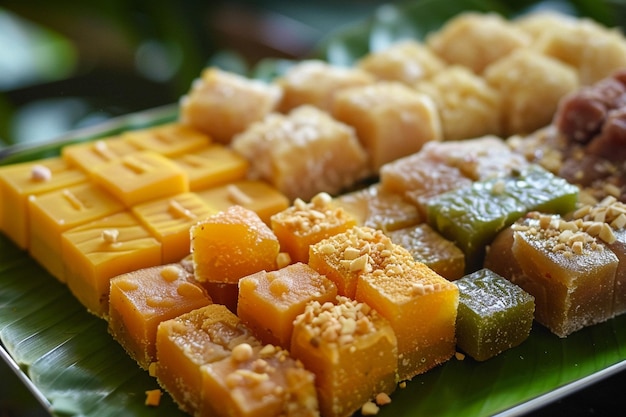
column 379, row 209
column 171, row 139
column 231, row 244
column 258, row 381
column 421, row 307
column 467, row 105
column 19, row 181
column 169, row 220
column 211, row 166
column 429, row 247
column 258, row 196
column 407, row 61
column 140, row 300
column 345, row 256
column 224, row 293
column 140, row 177
column 316, row 83
column 351, row 349
column 569, row 272
column 222, row 104
column 89, row 155
column 303, row 153
column 304, row 224
column 494, row 314
column 52, row 213
column 391, row 119
column 185, row 343
column 270, row 301
column 100, row 250
column 606, row 221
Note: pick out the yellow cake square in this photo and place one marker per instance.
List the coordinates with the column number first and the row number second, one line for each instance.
column 258, row 196
column 19, row 181
column 211, row 166
column 169, row 220
column 100, row 250
column 89, row 155
column 171, row 139
column 140, row 177
column 57, row 211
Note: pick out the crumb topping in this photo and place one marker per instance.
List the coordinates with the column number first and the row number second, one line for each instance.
column 313, row 217
column 603, row 219
column 339, row 323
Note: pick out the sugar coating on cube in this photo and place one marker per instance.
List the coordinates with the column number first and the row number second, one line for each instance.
column 231, row 244
column 303, row 153
column 304, row 224
column 351, row 349
column 222, row 103
column 494, row 314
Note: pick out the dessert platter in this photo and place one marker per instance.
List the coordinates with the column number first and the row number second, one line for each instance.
column 395, row 230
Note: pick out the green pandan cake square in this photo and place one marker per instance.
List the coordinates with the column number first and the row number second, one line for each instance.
column 472, row 216
column 494, row 314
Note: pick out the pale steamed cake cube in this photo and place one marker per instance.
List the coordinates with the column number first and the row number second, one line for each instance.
column 222, row 104
column 303, row 153
column 391, row 119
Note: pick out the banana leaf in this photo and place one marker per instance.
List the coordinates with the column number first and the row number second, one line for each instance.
column 71, row 363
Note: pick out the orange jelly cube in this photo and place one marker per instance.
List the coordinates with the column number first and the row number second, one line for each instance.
column 270, row 301
column 100, row 250
column 19, row 181
column 232, row 244
column 140, row 300
column 89, row 155
column 171, row 139
column 140, row 177
column 421, row 307
column 191, row 340
column 258, row 381
column 345, row 256
column 304, row 224
column 211, row 166
column 352, row 351
column 258, row 196
column 169, row 220
column 57, row 211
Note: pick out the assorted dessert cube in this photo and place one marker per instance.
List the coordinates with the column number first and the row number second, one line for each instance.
column 302, row 246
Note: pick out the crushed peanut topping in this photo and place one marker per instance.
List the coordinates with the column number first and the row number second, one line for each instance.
column 369, row 409
column 338, row 323
column 601, row 220
column 559, row 236
column 110, row 235
column 40, row 173
column 242, row 352
column 382, row 398
column 318, row 215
